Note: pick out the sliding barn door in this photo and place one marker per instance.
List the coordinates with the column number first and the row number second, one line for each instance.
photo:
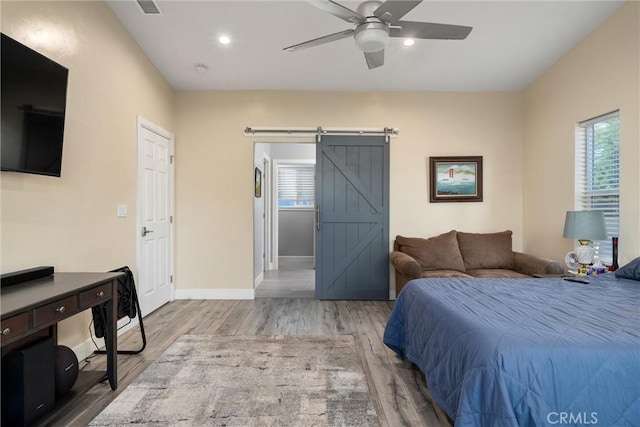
column 352, row 217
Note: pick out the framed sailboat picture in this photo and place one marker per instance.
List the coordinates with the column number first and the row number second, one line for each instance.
column 455, row 179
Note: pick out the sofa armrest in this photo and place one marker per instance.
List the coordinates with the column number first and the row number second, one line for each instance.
column 531, row 264
column 407, row 268
column 406, row 265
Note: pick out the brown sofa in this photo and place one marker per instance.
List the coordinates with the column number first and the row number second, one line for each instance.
column 458, row 254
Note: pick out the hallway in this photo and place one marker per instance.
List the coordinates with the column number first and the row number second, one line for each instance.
column 291, row 280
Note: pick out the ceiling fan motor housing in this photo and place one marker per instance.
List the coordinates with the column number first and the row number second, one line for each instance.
column 367, row 8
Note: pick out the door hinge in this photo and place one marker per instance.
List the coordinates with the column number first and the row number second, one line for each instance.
column 171, row 278
column 171, row 219
column 171, row 157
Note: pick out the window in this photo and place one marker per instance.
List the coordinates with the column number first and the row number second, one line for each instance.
column 296, row 186
column 598, row 172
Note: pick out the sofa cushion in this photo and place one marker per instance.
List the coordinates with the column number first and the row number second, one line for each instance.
column 486, row 250
column 443, row 273
column 435, row 253
column 496, row 272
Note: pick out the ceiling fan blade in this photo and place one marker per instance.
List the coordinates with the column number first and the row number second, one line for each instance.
column 429, row 30
column 393, row 10
column 320, row 40
column 338, row 10
column 374, row 59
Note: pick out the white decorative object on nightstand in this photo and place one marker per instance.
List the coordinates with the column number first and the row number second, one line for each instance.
column 584, row 226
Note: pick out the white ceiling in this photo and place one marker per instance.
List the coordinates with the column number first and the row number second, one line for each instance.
column 511, row 44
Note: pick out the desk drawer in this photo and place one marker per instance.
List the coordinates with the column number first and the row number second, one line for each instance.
column 14, row 326
column 95, row 296
column 55, row 311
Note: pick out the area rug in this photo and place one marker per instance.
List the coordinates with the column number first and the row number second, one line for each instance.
column 249, row 381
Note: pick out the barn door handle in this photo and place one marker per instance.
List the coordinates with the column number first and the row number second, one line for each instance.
column 318, row 218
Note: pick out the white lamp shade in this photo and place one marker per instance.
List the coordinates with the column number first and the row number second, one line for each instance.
column 585, row 225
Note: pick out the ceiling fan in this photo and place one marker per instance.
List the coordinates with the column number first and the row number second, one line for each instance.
column 375, row 21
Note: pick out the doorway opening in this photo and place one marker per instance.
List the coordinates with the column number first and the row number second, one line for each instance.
column 284, row 220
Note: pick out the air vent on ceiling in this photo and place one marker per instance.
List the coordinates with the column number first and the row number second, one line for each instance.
column 149, row 7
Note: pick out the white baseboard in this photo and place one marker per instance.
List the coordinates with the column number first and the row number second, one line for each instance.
column 258, row 279
column 215, row 294
column 87, row 348
column 295, row 259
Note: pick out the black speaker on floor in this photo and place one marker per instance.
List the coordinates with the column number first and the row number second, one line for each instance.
column 66, row 369
column 28, row 383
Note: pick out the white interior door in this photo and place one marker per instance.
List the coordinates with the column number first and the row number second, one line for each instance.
column 155, row 216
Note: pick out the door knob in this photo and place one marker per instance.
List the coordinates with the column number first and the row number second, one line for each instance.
column 145, row 231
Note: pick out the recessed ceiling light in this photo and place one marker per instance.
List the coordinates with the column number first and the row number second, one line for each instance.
column 224, row 40
column 409, row 42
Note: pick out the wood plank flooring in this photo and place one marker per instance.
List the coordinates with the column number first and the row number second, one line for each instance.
column 291, row 280
column 397, row 388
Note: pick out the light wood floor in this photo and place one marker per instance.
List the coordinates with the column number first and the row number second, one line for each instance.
column 397, row 388
column 291, row 280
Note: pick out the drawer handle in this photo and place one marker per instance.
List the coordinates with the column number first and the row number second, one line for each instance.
column 60, row 309
column 6, row 331
column 100, row 294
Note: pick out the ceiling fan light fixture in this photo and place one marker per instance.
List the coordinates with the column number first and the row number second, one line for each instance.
column 372, row 37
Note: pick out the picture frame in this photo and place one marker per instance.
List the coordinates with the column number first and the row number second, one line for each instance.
column 455, row 179
column 257, row 180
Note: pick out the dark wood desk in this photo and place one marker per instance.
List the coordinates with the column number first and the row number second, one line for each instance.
column 32, row 309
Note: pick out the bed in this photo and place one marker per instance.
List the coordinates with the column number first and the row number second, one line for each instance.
column 524, row 352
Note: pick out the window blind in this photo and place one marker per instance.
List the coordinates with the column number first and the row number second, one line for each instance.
column 598, row 172
column 296, row 186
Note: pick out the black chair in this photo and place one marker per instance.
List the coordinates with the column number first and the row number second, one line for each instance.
column 128, row 306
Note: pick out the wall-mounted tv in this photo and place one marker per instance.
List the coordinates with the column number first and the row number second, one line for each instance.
column 34, row 94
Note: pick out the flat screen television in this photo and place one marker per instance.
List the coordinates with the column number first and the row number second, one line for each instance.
column 34, row 95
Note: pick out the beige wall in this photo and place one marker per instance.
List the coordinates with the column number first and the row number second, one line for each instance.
column 598, row 76
column 70, row 222
column 214, row 182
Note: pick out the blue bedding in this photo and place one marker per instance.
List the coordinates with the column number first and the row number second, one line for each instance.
column 524, row 352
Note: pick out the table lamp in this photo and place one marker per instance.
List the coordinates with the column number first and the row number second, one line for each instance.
column 584, row 226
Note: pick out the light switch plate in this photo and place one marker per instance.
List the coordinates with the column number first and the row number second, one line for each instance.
column 122, row 211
